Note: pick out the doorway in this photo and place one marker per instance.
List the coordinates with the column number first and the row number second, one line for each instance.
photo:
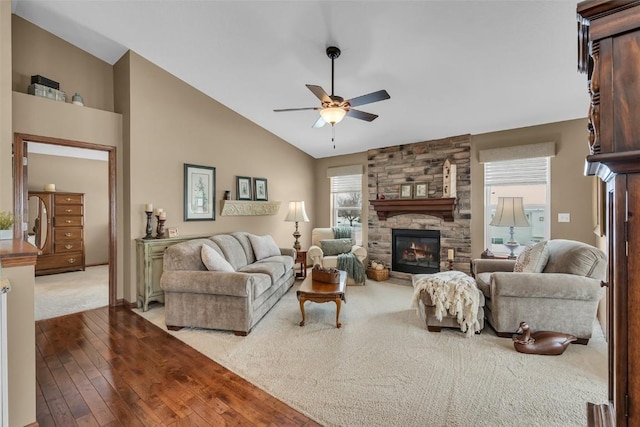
column 20, row 162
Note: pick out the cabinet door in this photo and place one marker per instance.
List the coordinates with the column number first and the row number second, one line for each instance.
column 633, row 292
column 619, row 68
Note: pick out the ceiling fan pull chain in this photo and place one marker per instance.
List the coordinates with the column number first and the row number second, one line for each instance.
column 333, row 135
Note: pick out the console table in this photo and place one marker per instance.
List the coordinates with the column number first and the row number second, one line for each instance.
column 149, row 264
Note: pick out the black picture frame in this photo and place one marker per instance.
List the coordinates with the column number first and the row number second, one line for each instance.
column 243, row 188
column 260, row 191
column 199, row 193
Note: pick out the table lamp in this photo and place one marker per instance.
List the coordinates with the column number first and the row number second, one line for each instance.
column 510, row 213
column 296, row 214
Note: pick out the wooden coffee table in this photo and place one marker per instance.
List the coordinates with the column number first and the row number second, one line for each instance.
column 312, row 290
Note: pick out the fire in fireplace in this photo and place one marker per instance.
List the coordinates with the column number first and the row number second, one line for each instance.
column 415, row 251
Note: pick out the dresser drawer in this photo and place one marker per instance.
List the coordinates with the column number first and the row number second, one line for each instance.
column 67, row 233
column 50, row 262
column 68, row 199
column 67, row 221
column 62, row 210
column 62, row 247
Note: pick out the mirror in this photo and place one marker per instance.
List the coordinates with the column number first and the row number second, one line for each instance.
column 38, row 222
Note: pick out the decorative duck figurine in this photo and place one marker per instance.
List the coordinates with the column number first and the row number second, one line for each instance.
column 541, row 342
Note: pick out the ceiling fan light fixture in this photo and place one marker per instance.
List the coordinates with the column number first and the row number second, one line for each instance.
column 333, row 115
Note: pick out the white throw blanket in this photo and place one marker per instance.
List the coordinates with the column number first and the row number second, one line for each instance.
column 452, row 292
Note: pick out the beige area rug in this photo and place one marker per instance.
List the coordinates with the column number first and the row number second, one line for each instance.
column 383, row 368
column 66, row 293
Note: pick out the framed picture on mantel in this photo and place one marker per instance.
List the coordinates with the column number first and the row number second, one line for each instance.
column 421, row 190
column 406, row 191
column 243, row 188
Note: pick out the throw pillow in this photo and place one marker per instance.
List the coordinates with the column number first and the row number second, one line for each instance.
column 213, row 260
column 335, row 246
column 264, row 246
column 533, row 259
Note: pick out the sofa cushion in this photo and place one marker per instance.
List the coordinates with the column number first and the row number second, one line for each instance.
column 264, row 246
column 286, row 260
column 572, row 257
column 231, row 249
column 243, row 239
column 533, row 259
column 274, row 269
column 335, row 246
column 213, row 260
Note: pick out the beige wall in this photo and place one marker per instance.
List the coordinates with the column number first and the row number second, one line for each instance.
column 87, row 176
column 321, row 216
column 178, row 125
column 571, row 191
column 36, row 51
column 20, row 313
column 6, row 136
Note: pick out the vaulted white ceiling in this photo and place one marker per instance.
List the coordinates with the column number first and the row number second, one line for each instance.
column 451, row 67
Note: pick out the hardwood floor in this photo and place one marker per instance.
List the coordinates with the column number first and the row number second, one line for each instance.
column 111, row 367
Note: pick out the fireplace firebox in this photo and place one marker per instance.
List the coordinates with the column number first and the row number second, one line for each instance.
column 415, row 251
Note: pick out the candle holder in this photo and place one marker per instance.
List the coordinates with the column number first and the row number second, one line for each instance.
column 149, row 230
column 450, row 264
column 160, row 229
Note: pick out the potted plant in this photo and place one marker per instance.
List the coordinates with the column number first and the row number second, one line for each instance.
column 6, row 225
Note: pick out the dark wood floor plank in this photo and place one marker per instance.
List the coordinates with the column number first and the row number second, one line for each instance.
column 111, row 367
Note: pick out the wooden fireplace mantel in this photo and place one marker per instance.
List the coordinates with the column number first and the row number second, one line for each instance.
column 442, row 208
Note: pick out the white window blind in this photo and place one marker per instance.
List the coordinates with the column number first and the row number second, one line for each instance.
column 346, row 183
column 517, row 172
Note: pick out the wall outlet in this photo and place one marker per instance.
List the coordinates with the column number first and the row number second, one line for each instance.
column 564, row 217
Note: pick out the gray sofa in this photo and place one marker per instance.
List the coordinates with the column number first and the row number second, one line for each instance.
column 564, row 297
column 227, row 300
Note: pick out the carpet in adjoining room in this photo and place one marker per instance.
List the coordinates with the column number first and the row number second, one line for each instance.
column 383, row 368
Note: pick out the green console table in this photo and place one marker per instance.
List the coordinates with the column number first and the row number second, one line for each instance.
column 149, row 264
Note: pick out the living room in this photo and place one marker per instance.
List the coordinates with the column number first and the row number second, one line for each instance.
column 157, row 123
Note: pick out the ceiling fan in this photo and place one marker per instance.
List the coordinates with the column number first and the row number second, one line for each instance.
column 333, row 107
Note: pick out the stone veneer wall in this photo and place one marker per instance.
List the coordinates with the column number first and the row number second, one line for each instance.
column 421, row 162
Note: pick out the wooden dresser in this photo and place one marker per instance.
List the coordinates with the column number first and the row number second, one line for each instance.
column 57, row 226
column 609, row 53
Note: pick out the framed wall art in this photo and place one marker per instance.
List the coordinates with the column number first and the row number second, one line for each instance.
column 243, row 188
column 406, row 191
column 260, row 189
column 420, row 190
column 199, row 193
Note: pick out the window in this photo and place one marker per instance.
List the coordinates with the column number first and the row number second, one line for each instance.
column 527, row 178
column 346, row 203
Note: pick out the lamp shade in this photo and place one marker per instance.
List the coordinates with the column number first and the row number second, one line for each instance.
column 510, row 213
column 296, row 212
column 332, row 115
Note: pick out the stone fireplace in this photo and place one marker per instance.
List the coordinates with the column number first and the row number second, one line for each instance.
column 421, row 162
column 415, row 251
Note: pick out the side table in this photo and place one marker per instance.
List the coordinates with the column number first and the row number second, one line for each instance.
column 301, row 257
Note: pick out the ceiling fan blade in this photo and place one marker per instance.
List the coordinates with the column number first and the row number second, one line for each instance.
column 296, row 109
column 319, row 123
column 357, row 114
column 320, row 93
column 380, row 95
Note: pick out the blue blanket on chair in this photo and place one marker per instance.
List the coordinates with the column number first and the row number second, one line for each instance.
column 350, row 263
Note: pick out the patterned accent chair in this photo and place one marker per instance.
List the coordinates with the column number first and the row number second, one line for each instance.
column 563, row 297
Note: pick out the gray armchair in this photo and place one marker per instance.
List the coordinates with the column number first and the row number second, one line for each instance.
column 564, row 297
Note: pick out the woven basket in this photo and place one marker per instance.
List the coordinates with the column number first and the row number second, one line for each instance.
column 378, row 275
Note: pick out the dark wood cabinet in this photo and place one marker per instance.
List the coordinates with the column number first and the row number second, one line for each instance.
column 609, row 53
column 56, row 226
